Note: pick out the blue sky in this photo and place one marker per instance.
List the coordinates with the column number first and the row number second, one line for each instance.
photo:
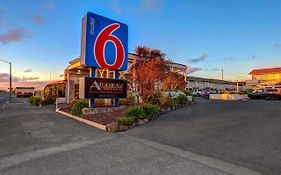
column 208, row 35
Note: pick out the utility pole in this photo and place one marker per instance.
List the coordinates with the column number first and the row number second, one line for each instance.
column 222, row 74
column 10, row 63
column 237, row 86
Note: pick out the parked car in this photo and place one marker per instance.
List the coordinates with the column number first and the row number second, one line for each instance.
column 267, row 93
column 197, row 92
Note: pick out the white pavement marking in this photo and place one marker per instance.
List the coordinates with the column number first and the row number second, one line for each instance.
column 8, row 161
column 3, row 107
column 209, row 161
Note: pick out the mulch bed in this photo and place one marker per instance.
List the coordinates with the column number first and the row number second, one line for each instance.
column 66, row 109
column 103, row 119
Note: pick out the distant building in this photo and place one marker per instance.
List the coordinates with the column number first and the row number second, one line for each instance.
column 24, row 91
column 51, row 90
column 207, row 83
column 265, row 77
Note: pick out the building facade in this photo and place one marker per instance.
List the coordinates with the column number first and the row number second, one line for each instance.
column 265, row 77
column 75, row 71
column 206, row 83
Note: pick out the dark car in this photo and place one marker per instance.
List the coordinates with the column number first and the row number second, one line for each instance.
column 268, row 94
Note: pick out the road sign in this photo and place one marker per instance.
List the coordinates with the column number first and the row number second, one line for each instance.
column 104, row 43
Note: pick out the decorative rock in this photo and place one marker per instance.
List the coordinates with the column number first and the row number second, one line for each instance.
column 99, row 110
column 112, row 127
column 123, row 127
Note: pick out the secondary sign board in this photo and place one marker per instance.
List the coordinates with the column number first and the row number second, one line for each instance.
column 104, row 43
column 102, row 88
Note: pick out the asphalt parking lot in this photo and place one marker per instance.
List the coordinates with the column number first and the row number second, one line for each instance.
column 246, row 133
column 211, row 137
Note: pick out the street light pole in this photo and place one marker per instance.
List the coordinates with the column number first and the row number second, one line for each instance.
column 10, row 63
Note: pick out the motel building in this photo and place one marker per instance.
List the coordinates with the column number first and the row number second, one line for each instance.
column 76, row 70
column 265, row 77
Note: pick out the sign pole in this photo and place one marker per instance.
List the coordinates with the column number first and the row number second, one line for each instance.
column 116, row 78
column 92, row 75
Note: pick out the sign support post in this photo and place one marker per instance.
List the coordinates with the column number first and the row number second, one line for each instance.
column 92, row 75
column 116, row 78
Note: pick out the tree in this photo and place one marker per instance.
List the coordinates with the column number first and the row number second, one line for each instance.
column 142, row 51
column 147, row 52
column 148, row 74
column 173, row 81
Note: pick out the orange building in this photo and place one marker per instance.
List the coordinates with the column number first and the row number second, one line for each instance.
column 265, row 77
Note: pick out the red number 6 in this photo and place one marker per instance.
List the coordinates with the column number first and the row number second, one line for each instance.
column 99, row 48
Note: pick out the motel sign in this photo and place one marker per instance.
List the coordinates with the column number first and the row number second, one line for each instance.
column 104, row 43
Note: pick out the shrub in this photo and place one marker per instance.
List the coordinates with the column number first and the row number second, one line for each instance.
column 129, row 101
column 78, row 106
column 48, row 101
column 182, row 99
column 168, row 102
column 187, row 93
column 150, row 110
column 30, row 99
column 135, row 112
column 125, row 121
column 154, row 98
column 34, row 100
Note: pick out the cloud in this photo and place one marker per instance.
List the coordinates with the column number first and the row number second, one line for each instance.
column 230, row 59
column 48, row 5
column 253, row 57
column 200, row 59
column 29, row 78
column 277, row 46
column 140, row 6
column 5, row 85
column 38, row 19
column 28, row 70
column 14, row 35
column 215, row 69
column 152, row 4
column 191, row 70
column 5, row 77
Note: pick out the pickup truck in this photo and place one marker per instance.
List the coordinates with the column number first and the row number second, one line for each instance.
column 268, row 94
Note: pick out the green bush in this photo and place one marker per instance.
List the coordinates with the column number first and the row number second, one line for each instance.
column 125, row 121
column 150, row 110
column 168, row 102
column 78, row 106
column 35, row 100
column 30, row 99
column 182, row 99
column 48, row 101
column 129, row 101
column 187, row 93
column 136, row 112
column 154, row 98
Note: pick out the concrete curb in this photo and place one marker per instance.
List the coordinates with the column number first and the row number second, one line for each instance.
column 97, row 125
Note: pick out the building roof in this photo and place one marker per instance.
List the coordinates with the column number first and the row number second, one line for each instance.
column 210, row 80
column 266, row 70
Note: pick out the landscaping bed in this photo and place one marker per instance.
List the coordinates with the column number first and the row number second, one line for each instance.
column 104, row 118
column 115, row 119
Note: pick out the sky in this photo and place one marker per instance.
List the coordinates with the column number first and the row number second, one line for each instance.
column 40, row 36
